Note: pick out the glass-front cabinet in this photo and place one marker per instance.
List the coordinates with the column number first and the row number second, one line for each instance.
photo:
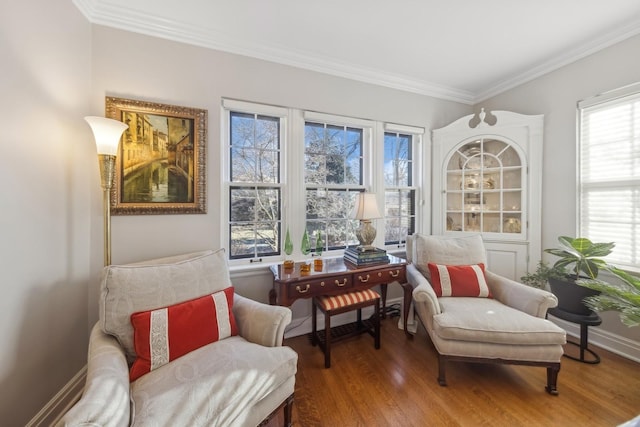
column 484, row 191
column 487, row 180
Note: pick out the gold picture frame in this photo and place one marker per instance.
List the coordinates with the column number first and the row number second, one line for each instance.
column 160, row 165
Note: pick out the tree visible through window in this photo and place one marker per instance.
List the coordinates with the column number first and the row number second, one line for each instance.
column 284, row 168
column 333, row 174
column 399, row 195
column 254, row 193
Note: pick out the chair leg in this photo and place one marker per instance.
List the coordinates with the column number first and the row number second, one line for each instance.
column 552, row 379
column 314, row 323
column 327, row 339
column 442, row 365
column 377, row 324
column 288, row 410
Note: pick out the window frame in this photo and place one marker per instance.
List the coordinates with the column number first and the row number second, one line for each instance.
column 292, row 170
column 230, row 106
column 367, row 182
column 417, row 142
column 600, row 103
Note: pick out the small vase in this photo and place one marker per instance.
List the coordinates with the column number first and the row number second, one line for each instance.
column 305, row 248
column 317, row 262
column 288, row 249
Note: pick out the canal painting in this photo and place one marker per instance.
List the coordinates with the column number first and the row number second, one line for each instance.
column 160, row 162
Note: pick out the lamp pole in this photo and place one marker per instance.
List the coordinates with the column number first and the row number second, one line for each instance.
column 107, row 174
column 107, row 133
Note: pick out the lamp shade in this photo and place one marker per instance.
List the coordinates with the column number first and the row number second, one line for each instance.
column 366, row 207
column 107, row 133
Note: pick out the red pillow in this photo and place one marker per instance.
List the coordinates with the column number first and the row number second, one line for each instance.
column 459, row 280
column 164, row 334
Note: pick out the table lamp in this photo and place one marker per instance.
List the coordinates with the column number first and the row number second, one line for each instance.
column 366, row 209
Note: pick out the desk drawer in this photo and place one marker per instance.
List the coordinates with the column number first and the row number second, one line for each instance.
column 308, row 288
column 386, row 275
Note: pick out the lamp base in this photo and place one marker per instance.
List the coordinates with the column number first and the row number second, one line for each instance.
column 366, row 234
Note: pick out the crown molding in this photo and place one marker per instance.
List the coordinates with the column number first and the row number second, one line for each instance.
column 620, row 34
column 102, row 13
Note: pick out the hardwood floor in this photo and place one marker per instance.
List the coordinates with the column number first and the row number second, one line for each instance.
column 397, row 386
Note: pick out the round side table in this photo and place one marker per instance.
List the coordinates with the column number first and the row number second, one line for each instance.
column 584, row 321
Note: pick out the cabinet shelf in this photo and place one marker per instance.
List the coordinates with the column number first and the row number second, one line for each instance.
column 484, row 191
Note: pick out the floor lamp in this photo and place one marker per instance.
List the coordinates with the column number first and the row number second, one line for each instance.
column 107, row 133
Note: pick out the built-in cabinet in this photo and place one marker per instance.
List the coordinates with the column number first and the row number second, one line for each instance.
column 487, row 174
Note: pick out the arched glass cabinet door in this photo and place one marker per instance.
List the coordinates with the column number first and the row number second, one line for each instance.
column 487, row 180
column 485, row 187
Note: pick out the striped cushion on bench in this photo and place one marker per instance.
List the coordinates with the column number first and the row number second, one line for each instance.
column 338, row 301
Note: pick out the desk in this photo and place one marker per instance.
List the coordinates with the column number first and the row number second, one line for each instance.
column 338, row 277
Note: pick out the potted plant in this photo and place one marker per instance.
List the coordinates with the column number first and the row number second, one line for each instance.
column 579, row 257
column 540, row 277
column 622, row 296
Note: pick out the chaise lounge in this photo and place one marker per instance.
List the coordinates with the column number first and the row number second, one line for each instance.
column 478, row 316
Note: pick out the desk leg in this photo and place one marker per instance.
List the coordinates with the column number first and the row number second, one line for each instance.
column 383, row 291
column 408, row 291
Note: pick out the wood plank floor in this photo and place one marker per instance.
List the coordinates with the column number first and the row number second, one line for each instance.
column 397, row 386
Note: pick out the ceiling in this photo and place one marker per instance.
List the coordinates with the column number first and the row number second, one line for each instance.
column 460, row 50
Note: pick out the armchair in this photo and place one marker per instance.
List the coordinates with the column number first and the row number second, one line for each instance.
column 509, row 326
column 239, row 380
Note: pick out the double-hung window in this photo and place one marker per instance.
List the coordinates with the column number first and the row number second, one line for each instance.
column 609, row 172
column 336, row 168
column 254, row 183
column 400, row 173
column 288, row 169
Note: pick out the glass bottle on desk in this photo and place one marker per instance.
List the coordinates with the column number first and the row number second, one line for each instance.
column 288, row 249
column 317, row 262
column 305, row 248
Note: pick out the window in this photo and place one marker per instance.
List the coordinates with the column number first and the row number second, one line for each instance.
column 254, row 183
column 609, row 172
column 286, row 168
column 334, row 172
column 401, row 175
column 399, row 195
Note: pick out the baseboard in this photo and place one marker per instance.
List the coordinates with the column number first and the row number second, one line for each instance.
column 302, row 326
column 61, row 402
column 609, row 341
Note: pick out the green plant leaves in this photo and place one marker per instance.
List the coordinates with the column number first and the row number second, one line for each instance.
column 623, row 296
column 582, row 254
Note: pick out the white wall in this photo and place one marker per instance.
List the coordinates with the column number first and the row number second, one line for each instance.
column 47, row 167
column 134, row 66
column 555, row 95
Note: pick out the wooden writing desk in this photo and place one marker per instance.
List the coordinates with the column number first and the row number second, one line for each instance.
column 338, row 277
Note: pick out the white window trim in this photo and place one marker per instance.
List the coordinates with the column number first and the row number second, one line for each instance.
column 369, row 156
column 417, row 134
column 229, row 105
column 601, row 100
column 293, row 187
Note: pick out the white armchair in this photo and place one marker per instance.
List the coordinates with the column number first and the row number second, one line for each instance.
column 237, row 381
column 510, row 327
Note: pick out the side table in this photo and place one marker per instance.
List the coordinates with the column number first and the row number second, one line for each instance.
column 339, row 277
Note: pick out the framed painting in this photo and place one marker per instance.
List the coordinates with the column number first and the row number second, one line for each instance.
column 160, row 165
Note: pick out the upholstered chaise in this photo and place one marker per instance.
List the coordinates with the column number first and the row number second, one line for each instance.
column 503, row 322
column 238, row 380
